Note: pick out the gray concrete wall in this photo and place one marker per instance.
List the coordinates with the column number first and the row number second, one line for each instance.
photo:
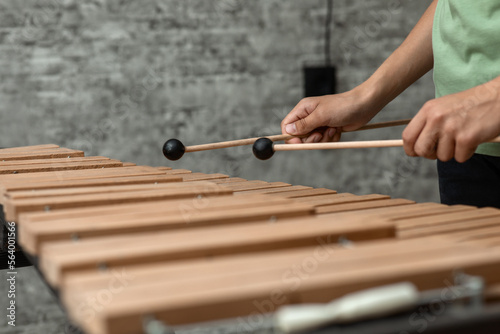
column 118, row 78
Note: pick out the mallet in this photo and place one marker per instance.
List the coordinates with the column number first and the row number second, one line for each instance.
column 174, row 149
column 264, row 148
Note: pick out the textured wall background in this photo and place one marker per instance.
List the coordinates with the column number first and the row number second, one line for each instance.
column 119, row 77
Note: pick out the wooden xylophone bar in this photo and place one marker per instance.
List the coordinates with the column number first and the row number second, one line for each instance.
column 188, row 247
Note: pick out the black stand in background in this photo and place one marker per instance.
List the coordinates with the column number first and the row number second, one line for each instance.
column 423, row 320
column 320, row 80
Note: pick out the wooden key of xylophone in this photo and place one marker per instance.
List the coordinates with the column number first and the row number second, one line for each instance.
column 40, row 154
column 255, row 237
column 13, row 207
column 195, row 291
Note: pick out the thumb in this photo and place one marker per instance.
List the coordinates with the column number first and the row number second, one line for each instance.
column 304, row 125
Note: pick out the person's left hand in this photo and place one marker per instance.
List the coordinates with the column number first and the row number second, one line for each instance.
column 454, row 125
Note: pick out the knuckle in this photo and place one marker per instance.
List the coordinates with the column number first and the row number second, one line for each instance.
column 419, row 151
column 406, row 136
column 305, row 101
column 429, row 106
column 301, row 124
column 449, row 128
column 437, row 116
column 465, row 140
column 423, row 150
column 409, row 151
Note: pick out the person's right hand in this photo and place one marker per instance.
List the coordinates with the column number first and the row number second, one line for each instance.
column 325, row 117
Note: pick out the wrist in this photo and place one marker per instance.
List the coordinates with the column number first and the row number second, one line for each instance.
column 491, row 89
column 370, row 97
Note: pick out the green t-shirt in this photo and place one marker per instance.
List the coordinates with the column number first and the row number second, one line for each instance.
column 466, row 46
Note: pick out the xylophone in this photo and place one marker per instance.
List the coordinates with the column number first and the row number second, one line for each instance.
column 129, row 247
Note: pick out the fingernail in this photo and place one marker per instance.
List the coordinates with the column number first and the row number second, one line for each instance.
column 317, row 138
column 291, row 128
column 331, row 132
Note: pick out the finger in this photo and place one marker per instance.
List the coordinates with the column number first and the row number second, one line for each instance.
column 294, row 141
column 300, row 111
column 464, row 150
column 307, row 124
column 313, row 138
column 463, row 154
column 445, row 148
column 304, row 125
column 328, row 135
column 411, row 134
column 426, row 143
column 337, row 135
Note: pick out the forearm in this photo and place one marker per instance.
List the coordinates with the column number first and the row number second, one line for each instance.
column 493, row 87
column 351, row 110
column 405, row 66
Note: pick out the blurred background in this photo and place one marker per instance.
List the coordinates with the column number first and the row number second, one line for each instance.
column 119, row 77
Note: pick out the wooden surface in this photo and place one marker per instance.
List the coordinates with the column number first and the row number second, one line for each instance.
column 200, row 290
column 51, row 161
column 58, row 166
column 255, row 237
column 73, row 184
column 49, row 153
column 33, row 234
column 27, row 148
column 13, row 207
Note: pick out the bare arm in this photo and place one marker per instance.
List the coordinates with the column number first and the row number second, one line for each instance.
column 353, row 109
column 406, row 65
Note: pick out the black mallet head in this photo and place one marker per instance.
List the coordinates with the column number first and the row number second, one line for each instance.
column 173, row 149
column 263, row 148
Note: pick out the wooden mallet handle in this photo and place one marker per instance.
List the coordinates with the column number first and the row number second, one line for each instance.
column 338, row 145
column 233, row 143
column 250, row 141
column 347, row 144
column 264, row 149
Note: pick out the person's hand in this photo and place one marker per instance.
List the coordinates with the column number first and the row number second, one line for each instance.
column 325, row 117
column 454, row 125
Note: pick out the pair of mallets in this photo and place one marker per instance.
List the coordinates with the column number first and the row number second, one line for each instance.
column 264, row 148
